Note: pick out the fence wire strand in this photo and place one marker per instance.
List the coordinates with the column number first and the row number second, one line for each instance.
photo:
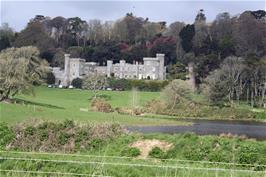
column 131, row 165
column 119, row 157
column 51, row 172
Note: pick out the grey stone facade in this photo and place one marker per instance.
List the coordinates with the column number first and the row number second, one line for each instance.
column 152, row 68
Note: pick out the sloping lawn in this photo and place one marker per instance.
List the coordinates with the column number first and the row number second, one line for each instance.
column 60, row 104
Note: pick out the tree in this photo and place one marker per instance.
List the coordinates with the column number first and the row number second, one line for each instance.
column 129, row 28
column 186, row 35
column 7, row 36
column 177, row 71
column 35, row 35
column 75, row 51
column 94, row 82
column 20, row 68
column 151, row 30
column 95, row 32
column 78, row 29
column 214, row 86
column 228, row 81
column 135, row 53
column 255, row 80
column 50, row 78
column 57, row 28
column 59, row 58
column 174, row 29
column 201, row 32
column 166, row 45
column 249, row 34
column 176, row 92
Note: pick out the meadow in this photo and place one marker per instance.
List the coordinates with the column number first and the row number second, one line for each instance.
column 99, row 152
column 61, row 104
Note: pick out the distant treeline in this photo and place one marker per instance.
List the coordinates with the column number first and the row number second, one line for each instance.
column 202, row 46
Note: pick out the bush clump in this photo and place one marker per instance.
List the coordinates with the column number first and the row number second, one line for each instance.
column 56, row 137
column 77, row 83
column 142, row 85
column 130, row 152
column 156, row 106
column 130, row 111
column 100, row 105
column 6, row 135
column 157, row 152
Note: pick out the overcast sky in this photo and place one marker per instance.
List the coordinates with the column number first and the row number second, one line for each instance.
column 18, row 13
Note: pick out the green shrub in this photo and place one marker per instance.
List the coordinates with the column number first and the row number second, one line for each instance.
column 63, row 138
column 29, row 131
column 77, row 82
column 6, row 135
column 43, row 134
column 131, row 152
column 247, row 155
column 157, row 152
column 261, row 115
column 142, row 85
column 50, row 78
column 81, row 136
column 96, row 143
column 68, row 124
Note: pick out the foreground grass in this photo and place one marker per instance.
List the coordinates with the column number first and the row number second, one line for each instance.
column 62, row 104
column 48, row 148
column 190, row 156
column 89, row 165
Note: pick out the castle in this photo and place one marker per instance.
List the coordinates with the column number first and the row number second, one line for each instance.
column 152, row 68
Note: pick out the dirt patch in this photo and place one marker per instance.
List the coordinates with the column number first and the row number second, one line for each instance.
column 145, row 146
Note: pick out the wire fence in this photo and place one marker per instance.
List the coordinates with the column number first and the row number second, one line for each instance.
column 128, row 164
column 103, row 161
column 120, row 157
column 51, row 173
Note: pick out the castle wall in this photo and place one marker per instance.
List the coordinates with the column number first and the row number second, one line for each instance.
column 153, row 68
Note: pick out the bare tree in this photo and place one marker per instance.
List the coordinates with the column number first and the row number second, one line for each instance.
column 201, row 31
column 94, row 82
column 177, row 92
column 249, row 34
column 228, row 81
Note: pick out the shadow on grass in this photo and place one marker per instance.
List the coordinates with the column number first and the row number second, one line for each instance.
column 21, row 101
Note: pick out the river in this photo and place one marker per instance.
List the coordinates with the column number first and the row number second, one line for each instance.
column 250, row 129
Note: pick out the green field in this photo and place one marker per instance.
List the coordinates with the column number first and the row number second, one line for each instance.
column 61, row 104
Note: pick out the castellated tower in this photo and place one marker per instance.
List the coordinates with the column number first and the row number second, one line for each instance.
column 160, row 57
column 67, row 70
column 122, row 64
column 109, row 68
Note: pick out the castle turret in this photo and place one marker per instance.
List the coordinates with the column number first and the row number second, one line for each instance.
column 122, row 65
column 109, row 68
column 160, row 57
column 67, row 69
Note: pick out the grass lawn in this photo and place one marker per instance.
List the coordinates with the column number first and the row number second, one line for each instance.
column 61, row 104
